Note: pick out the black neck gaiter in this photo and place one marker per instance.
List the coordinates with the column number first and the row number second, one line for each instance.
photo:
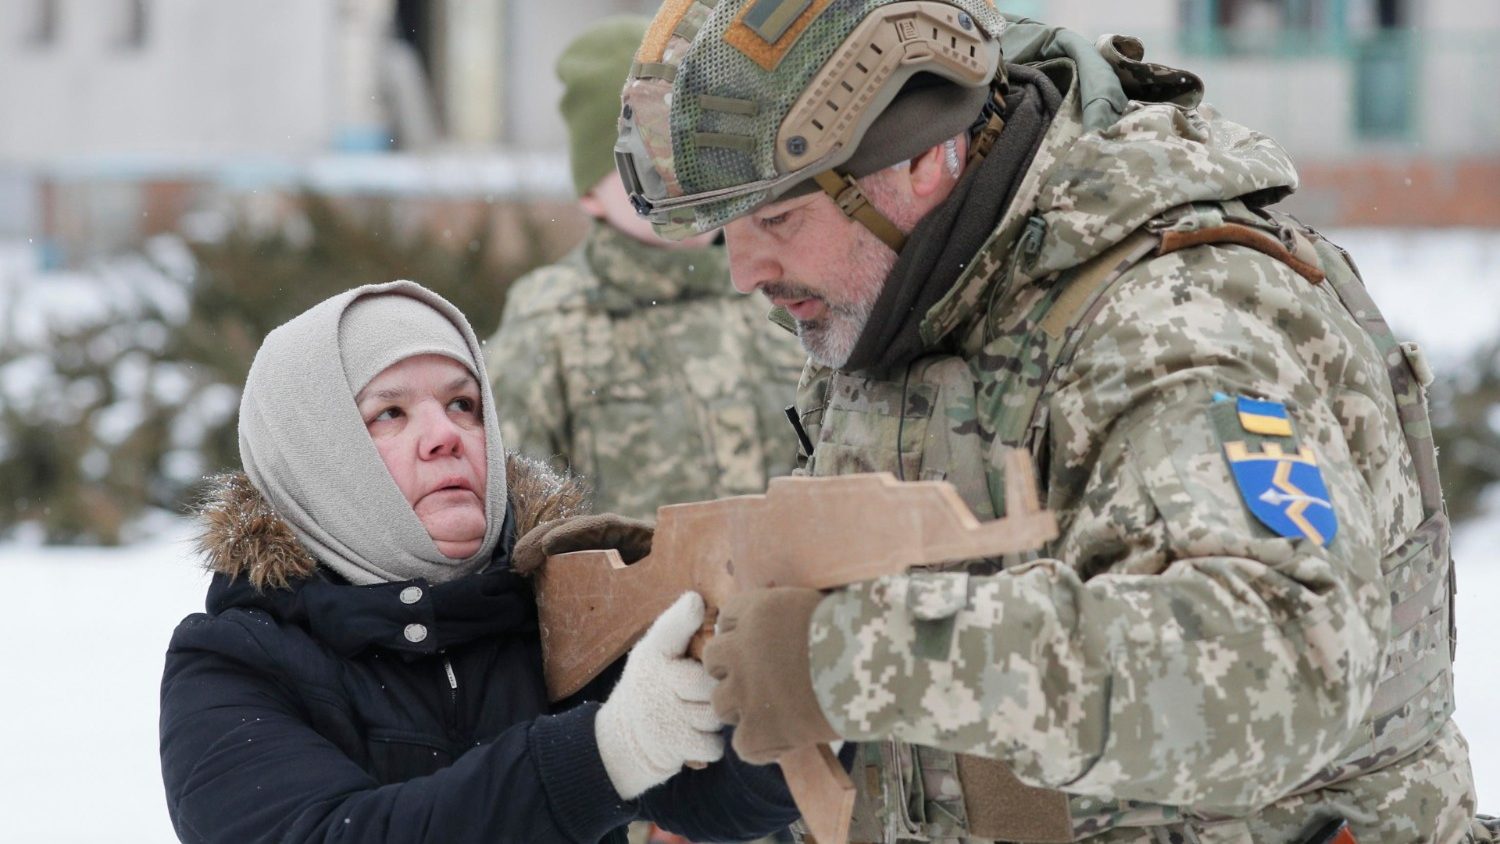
column 947, row 239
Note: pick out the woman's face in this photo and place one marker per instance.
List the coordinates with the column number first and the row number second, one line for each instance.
column 425, row 416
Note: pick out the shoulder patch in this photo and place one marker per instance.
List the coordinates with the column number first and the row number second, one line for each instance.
column 1282, row 487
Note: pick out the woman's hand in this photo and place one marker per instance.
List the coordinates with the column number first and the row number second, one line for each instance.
column 659, row 717
column 631, row 537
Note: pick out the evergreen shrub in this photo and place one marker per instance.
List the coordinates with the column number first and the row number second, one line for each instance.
column 1466, row 425
column 121, row 408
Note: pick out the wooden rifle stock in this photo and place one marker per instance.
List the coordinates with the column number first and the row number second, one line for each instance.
column 818, row 533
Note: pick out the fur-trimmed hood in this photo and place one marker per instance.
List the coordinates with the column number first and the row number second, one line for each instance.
column 242, row 536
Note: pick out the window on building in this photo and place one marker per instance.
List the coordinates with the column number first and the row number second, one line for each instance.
column 417, row 23
column 1391, row 14
column 1385, row 70
column 1025, row 8
column 1373, row 36
column 407, row 74
column 40, row 25
column 123, row 23
column 1259, row 27
column 128, row 26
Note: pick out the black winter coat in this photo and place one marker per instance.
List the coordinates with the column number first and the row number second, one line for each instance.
column 300, row 708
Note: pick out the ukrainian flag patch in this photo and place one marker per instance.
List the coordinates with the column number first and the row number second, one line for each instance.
column 1264, row 418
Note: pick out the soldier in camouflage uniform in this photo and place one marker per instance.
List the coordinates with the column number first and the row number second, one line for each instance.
column 1243, row 632
column 633, row 362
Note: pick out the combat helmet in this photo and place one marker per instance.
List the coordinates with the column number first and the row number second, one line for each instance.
column 734, row 104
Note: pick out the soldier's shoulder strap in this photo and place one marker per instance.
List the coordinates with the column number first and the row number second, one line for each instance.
column 1410, row 375
column 1080, row 293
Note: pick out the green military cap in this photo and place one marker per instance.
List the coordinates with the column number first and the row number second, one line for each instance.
column 593, row 69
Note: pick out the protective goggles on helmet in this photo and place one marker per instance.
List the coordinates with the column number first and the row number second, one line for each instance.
column 825, row 125
column 653, row 203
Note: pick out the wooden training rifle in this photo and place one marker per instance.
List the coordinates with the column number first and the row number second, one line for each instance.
column 817, row 533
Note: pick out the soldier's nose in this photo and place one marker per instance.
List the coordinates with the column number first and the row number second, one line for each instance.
column 750, row 263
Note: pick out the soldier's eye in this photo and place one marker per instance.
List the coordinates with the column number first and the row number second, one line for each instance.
column 772, row 222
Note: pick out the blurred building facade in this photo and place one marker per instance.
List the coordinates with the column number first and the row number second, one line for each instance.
column 129, row 110
column 1387, row 105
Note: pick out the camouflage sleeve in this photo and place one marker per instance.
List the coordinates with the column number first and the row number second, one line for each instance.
column 525, row 370
column 1172, row 651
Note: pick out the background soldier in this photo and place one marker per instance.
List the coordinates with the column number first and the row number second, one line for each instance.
column 632, row 360
column 1244, row 630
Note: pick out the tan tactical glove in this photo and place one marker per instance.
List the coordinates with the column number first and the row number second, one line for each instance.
column 631, row 537
column 759, row 656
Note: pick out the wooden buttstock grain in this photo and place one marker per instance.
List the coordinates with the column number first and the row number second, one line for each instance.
column 817, row 533
column 822, row 790
column 603, row 610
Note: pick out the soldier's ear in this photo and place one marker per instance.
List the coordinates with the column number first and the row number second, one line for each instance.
column 934, row 173
column 592, row 205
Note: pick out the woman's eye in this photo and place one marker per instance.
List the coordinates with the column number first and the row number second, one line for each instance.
column 463, row 404
column 772, row 222
column 387, row 415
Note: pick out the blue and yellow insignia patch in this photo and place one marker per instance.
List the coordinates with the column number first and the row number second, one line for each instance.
column 1283, row 488
column 1265, row 418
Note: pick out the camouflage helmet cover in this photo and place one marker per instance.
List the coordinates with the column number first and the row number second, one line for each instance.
column 731, row 105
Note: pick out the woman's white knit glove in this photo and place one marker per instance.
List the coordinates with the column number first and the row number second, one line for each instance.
column 659, row 717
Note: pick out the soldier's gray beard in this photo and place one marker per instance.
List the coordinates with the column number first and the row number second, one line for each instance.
column 830, row 341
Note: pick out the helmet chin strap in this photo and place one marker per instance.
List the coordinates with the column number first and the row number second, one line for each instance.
column 988, row 127
column 857, row 207
column 846, row 192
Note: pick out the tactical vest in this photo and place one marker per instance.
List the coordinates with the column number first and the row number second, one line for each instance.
column 860, row 423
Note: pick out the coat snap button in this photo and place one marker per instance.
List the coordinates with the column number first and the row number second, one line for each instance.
column 411, row 594
column 416, row 632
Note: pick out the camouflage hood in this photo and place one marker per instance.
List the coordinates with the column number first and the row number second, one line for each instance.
column 1156, row 158
column 1090, row 188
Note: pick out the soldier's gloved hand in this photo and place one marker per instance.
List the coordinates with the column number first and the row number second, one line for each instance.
column 659, row 717
column 631, row 537
column 759, row 656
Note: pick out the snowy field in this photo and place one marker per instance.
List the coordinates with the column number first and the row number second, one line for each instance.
column 82, row 653
column 81, row 645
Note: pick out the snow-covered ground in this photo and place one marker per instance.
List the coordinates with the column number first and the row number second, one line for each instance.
column 81, row 653
column 1476, row 551
column 82, row 639
column 81, row 649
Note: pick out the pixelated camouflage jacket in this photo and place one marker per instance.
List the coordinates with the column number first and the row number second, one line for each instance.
column 642, row 370
column 1181, row 671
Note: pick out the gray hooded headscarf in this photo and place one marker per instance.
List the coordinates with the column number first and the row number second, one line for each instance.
column 305, row 447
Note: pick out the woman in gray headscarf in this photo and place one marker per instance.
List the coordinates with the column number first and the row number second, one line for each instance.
column 369, row 668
